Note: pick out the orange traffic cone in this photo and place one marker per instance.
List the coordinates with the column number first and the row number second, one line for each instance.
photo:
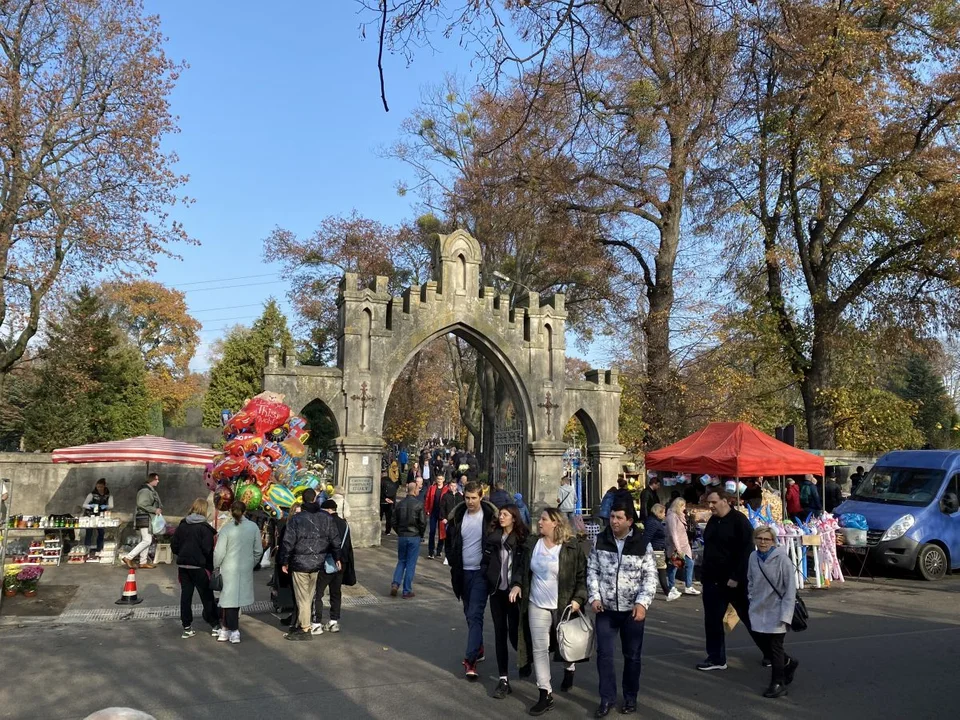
column 129, row 595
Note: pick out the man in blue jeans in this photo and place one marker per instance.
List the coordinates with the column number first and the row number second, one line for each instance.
column 466, row 533
column 621, row 584
column 410, row 521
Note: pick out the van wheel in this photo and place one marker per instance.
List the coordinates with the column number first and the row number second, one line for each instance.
column 931, row 562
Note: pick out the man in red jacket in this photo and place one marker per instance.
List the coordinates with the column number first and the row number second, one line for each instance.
column 431, row 505
column 794, row 507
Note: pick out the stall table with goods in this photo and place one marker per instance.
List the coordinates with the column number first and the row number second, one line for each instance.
column 738, row 450
column 26, row 534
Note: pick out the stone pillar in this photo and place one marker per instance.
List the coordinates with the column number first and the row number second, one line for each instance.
column 547, row 469
column 609, row 456
column 359, row 473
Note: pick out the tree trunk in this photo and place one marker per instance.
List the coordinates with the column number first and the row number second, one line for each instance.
column 661, row 396
column 821, row 434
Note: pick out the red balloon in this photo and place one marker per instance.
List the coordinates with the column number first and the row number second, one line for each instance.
column 271, row 452
column 240, row 423
column 259, row 469
column 243, row 444
column 268, row 414
column 230, row 467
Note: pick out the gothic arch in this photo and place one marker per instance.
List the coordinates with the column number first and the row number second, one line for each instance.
column 380, row 333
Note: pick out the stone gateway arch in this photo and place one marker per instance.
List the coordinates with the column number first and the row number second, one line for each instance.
column 379, row 334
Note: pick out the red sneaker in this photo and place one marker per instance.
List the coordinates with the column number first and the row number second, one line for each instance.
column 470, row 671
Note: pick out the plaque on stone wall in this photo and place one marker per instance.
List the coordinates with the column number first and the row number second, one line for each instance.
column 360, row 485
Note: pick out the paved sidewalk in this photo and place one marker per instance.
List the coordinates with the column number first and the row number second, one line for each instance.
column 888, row 649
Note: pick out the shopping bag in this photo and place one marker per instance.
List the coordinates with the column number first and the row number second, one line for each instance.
column 575, row 636
column 730, row 618
column 157, row 524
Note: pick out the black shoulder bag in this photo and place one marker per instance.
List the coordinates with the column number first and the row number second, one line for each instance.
column 800, row 614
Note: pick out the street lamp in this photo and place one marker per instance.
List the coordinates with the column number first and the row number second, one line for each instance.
column 500, row 276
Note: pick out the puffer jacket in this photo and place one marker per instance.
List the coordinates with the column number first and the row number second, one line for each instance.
column 621, row 581
column 654, row 533
column 409, row 517
column 192, row 542
column 311, row 534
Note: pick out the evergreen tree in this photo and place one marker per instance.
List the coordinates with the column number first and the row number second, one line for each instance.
column 238, row 375
column 91, row 383
column 919, row 382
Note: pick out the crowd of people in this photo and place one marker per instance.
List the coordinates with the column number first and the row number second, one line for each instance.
column 314, row 557
column 530, row 579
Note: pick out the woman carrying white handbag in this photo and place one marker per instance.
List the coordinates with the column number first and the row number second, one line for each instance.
column 553, row 577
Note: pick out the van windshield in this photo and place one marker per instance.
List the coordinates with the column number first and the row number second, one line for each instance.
column 900, row 486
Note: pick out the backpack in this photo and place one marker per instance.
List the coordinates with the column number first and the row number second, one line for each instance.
column 805, row 496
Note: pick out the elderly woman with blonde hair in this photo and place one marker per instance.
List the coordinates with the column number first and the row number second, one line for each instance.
column 772, row 588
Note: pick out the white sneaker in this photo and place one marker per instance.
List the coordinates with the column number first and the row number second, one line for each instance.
column 674, row 595
column 216, row 631
column 445, row 562
column 333, row 626
column 235, row 637
column 223, row 635
column 316, row 629
column 691, row 591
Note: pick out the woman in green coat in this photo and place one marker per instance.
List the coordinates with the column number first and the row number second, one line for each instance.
column 552, row 576
column 237, row 552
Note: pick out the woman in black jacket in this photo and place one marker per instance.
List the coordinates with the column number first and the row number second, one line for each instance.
column 655, row 535
column 193, row 545
column 504, row 550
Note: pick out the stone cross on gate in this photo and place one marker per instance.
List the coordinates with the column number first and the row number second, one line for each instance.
column 549, row 406
column 364, row 398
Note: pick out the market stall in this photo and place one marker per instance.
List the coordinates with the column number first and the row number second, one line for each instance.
column 39, row 539
column 736, row 450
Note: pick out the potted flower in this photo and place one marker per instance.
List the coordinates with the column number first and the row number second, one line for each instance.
column 28, row 579
column 10, row 583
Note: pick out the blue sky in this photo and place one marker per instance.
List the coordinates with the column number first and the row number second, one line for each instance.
column 281, row 120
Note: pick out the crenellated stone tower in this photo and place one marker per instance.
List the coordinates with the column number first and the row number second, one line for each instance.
column 380, row 333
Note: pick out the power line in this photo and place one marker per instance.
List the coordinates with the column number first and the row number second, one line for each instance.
column 230, row 279
column 226, row 319
column 231, row 287
column 228, row 307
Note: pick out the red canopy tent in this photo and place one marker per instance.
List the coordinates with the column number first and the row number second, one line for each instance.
column 734, row 449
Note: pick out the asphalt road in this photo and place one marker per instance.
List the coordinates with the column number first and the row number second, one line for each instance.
column 889, row 649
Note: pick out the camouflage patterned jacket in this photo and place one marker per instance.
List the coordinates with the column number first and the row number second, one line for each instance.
column 620, row 581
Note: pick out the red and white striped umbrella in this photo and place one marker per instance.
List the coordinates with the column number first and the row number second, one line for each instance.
column 146, row 448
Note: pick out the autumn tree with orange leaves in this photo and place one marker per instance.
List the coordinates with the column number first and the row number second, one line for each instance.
column 84, row 184
column 155, row 319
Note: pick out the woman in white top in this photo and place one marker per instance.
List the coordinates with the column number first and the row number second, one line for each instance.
column 555, row 576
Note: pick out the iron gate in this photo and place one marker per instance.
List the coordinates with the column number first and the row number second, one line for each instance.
column 508, row 455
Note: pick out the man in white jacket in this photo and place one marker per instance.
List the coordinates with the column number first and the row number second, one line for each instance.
column 621, row 584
